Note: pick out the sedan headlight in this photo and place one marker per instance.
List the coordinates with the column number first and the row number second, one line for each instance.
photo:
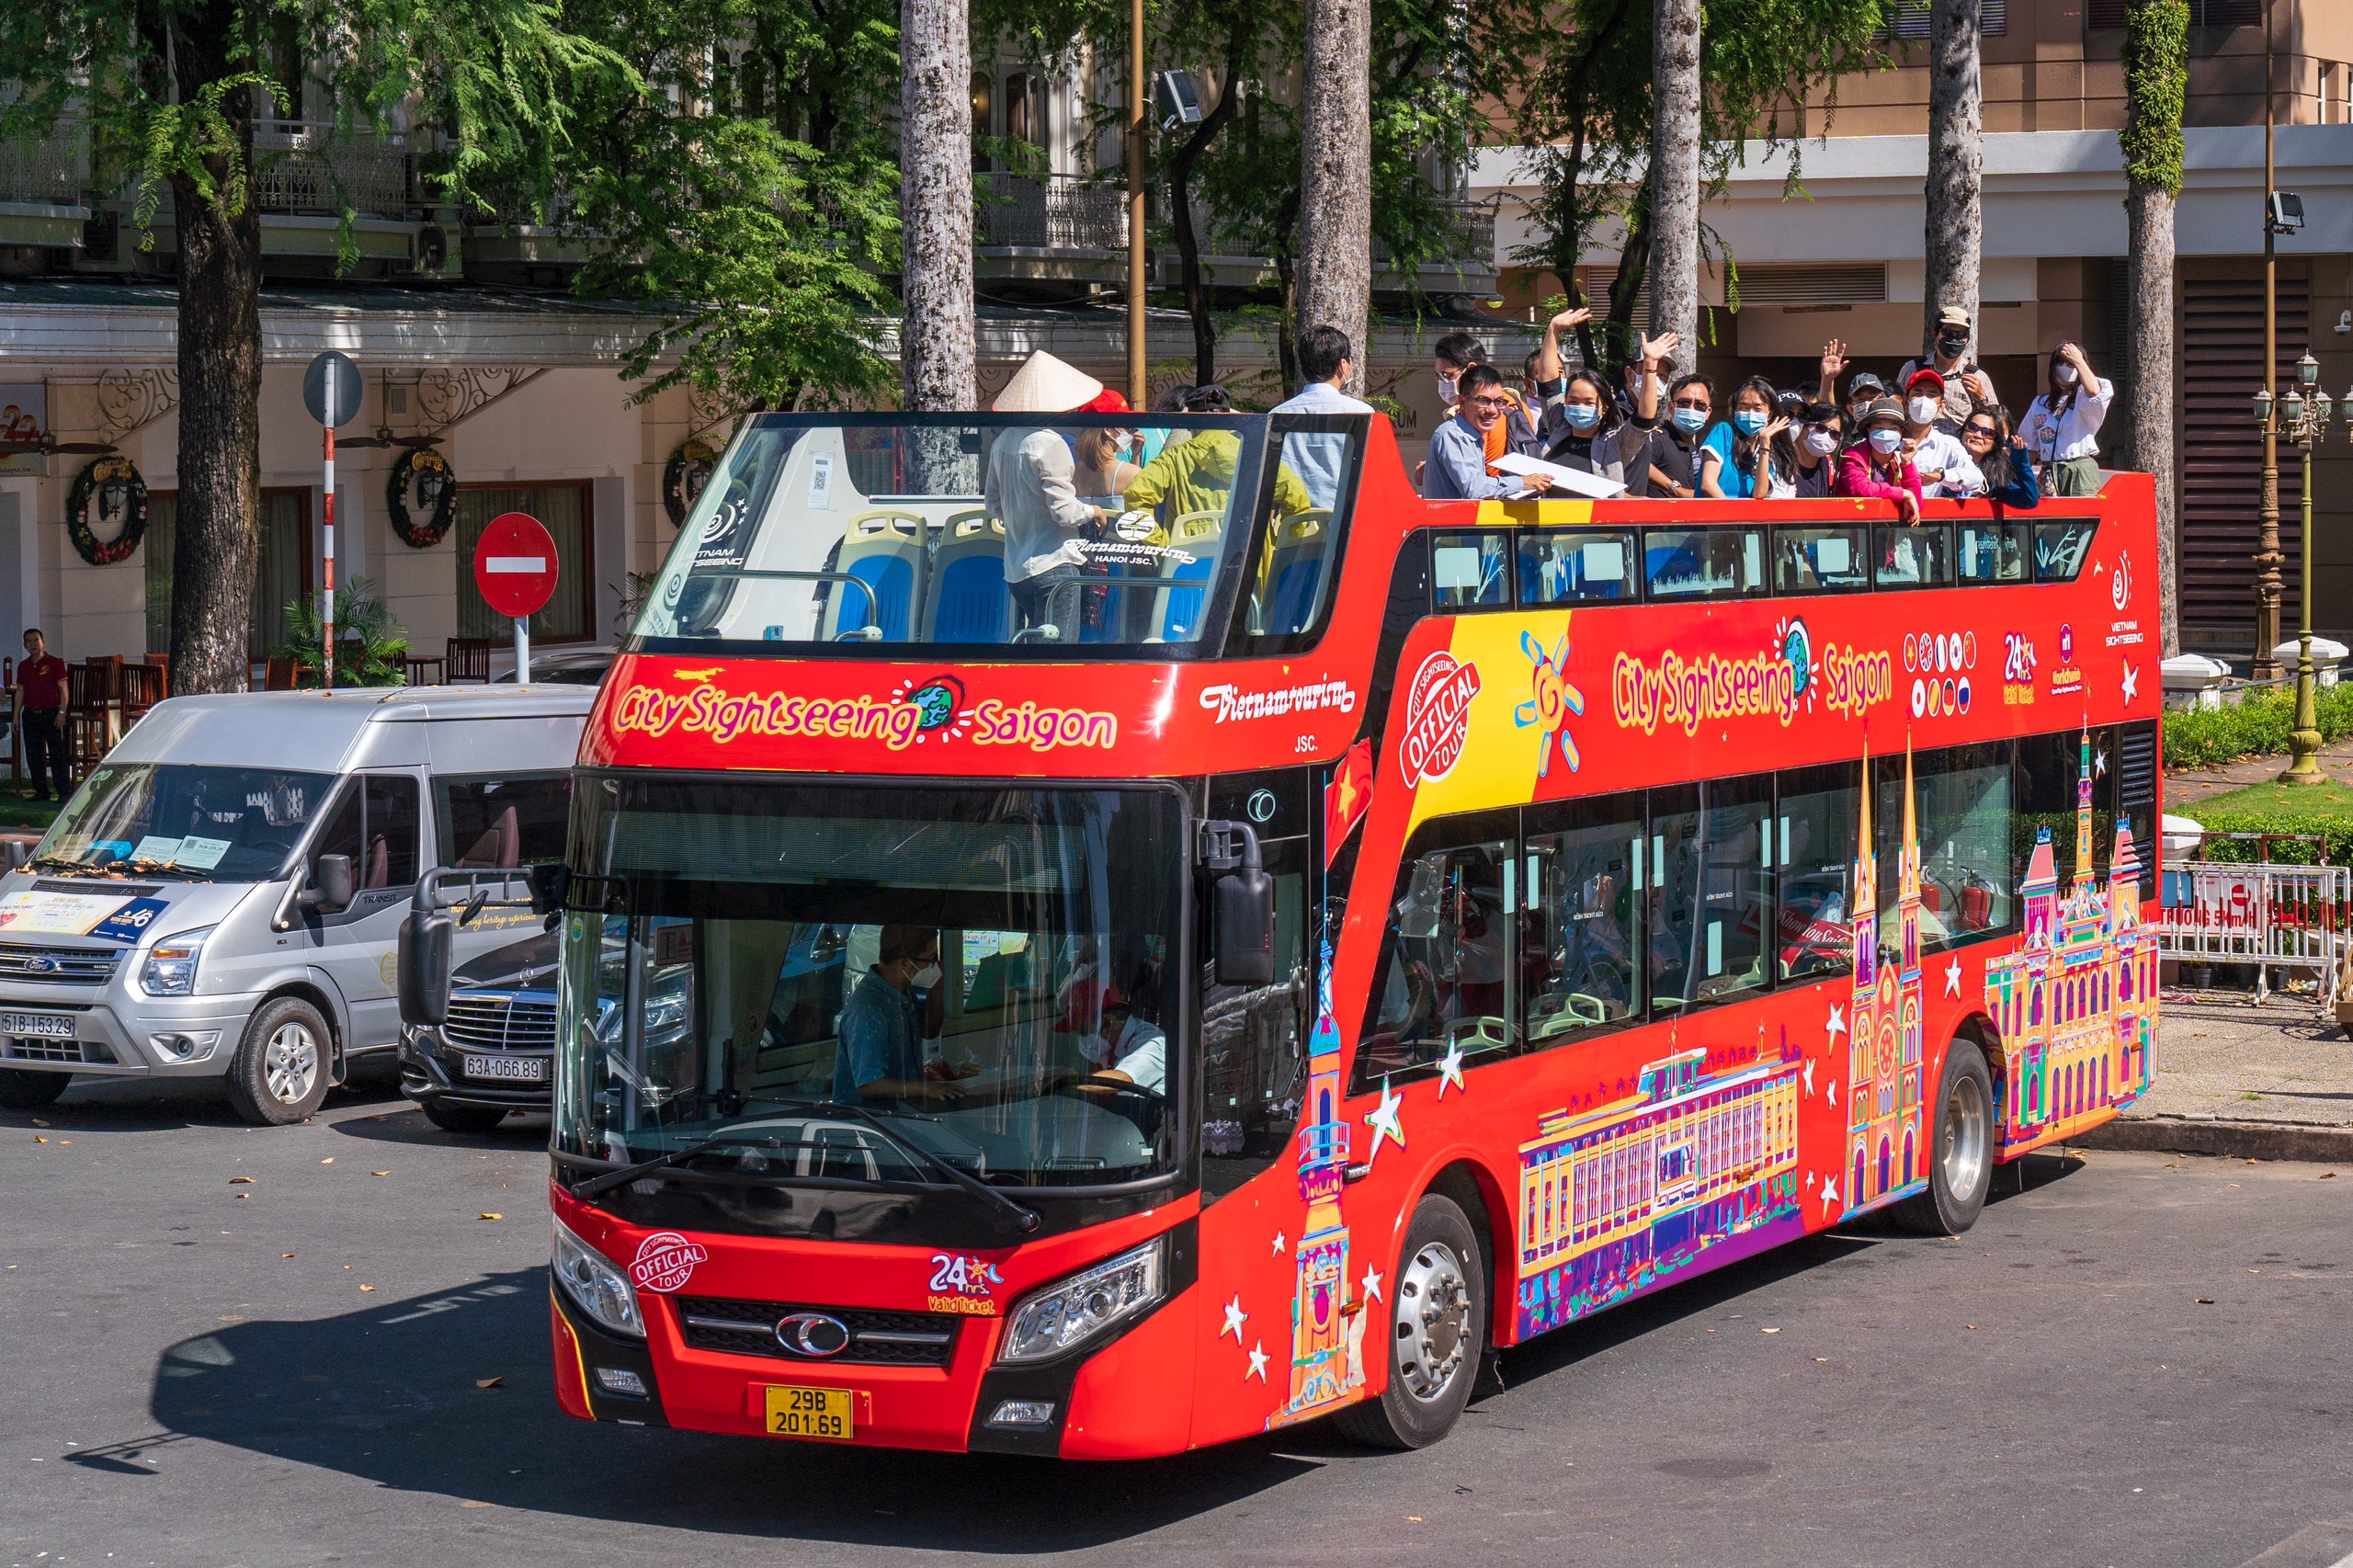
column 596, row 1284
column 1067, row 1314
column 170, row 968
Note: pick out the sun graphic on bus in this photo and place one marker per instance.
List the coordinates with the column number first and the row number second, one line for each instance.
column 1554, row 700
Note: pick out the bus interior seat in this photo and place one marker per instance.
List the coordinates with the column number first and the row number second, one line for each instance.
column 884, row 551
column 968, row 602
column 998, row 979
column 1297, row 570
column 1202, row 536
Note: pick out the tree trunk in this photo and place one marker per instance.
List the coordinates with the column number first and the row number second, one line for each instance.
column 1335, row 176
column 1956, row 164
column 216, row 536
column 935, row 350
column 1180, row 210
column 2149, row 294
column 1675, row 177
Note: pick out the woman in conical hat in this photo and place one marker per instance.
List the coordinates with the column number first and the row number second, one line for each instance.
column 1047, row 385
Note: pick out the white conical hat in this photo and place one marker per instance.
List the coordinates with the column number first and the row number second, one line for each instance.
column 1047, row 385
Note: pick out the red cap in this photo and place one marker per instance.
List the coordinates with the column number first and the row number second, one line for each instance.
column 1107, row 401
column 1923, row 374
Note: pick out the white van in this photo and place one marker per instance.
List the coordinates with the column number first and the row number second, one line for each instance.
column 224, row 896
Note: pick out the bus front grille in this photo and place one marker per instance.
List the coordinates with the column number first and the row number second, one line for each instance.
column 876, row 1337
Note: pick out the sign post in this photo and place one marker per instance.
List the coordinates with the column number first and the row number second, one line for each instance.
column 330, row 389
column 514, row 567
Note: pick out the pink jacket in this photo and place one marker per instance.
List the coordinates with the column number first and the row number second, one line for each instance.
column 1859, row 476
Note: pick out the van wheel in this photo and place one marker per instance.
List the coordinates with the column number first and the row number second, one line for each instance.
column 279, row 1074
column 1436, row 1331
column 1961, row 1168
column 463, row 1117
column 31, row 1091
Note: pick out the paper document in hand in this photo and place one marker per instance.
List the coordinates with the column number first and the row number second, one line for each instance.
column 1573, row 481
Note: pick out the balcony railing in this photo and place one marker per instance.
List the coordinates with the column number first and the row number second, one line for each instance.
column 305, row 168
column 45, row 172
column 1063, row 213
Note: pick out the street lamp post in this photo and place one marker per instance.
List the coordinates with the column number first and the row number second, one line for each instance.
column 2267, row 533
column 2303, row 416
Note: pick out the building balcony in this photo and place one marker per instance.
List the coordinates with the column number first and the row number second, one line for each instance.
column 42, row 200
column 1057, row 228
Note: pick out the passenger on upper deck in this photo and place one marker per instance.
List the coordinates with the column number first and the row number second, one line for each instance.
column 1031, row 485
column 1961, row 376
column 1878, row 467
column 2062, row 426
column 1936, row 455
column 1197, row 475
column 2001, row 459
column 1460, row 449
column 1328, row 361
column 1751, row 456
column 1674, row 455
column 1587, row 429
column 1823, row 435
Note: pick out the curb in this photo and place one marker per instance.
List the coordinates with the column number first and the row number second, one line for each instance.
column 2233, row 1139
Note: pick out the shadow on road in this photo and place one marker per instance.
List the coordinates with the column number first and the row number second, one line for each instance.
column 389, row 1394
column 404, row 1123
column 146, row 1105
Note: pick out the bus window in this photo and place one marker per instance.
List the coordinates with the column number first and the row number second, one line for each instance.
column 1576, row 567
column 1962, row 803
column 2049, row 770
column 1252, row 1043
column 1444, row 979
column 1993, row 552
column 1819, row 559
column 1819, row 830
column 1468, row 571
column 1710, row 890
column 1578, row 935
column 1703, row 563
column 1315, row 477
column 2062, row 547
column 1917, row 557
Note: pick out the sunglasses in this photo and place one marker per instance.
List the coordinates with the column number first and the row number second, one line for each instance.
column 1987, row 431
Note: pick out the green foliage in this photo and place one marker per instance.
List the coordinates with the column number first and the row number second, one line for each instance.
column 1586, row 113
column 368, row 646
column 2156, row 85
column 2321, row 809
column 2200, row 737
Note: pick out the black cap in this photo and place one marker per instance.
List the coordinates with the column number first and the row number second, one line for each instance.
column 1863, row 382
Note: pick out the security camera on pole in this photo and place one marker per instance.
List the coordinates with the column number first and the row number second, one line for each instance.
column 331, row 385
column 515, row 568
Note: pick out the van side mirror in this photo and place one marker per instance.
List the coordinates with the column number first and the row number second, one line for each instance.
column 1242, row 923
column 332, row 887
column 423, row 966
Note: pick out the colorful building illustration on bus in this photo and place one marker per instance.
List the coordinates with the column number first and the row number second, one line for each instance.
column 1326, row 1329
column 1884, row 1024
column 2077, row 1002
column 1630, row 1194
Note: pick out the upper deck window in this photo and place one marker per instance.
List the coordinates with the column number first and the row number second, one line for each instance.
column 1094, row 535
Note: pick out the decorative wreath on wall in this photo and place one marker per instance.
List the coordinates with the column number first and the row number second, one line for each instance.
column 426, row 474
column 682, row 477
column 121, row 497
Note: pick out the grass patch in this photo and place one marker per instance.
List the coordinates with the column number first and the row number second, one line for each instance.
column 2323, row 809
column 16, row 812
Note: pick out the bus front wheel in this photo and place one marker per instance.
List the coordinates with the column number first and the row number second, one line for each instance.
column 1961, row 1168
column 1436, row 1331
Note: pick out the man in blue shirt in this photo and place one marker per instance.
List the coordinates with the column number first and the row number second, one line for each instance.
column 1327, row 361
column 1458, row 460
column 881, row 1056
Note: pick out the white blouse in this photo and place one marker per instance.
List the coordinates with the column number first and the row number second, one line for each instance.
column 2073, row 434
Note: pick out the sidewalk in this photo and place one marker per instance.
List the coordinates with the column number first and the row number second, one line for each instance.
column 2188, row 787
column 2273, row 1082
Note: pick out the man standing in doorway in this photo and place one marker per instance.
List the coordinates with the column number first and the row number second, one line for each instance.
column 41, row 680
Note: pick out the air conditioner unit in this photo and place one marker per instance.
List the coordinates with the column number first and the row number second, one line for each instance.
column 432, row 253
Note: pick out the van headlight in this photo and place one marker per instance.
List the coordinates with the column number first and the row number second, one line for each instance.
column 170, row 968
column 1067, row 1314
column 596, row 1284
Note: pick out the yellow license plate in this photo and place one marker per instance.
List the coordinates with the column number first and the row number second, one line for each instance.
column 811, row 1413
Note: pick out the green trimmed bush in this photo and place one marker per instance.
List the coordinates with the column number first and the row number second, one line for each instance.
column 2325, row 810
column 2202, row 738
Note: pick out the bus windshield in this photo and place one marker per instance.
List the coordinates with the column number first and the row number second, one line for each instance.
column 1087, row 533
column 981, row 975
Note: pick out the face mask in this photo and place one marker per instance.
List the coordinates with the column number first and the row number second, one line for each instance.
column 1859, row 409
column 1952, row 348
column 1885, row 442
column 1691, row 421
column 1820, row 443
column 1748, row 421
column 1924, row 409
column 927, row 977
column 1581, row 416
column 2066, row 375
column 1446, row 393
column 1124, row 445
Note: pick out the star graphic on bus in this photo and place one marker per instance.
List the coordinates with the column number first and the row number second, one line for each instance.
column 1553, row 702
column 1257, row 1362
column 1372, row 1284
column 1833, row 1029
column 1830, row 1094
column 1235, row 1317
column 1952, row 978
column 1383, row 1121
column 1830, row 1194
column 1449, row 1070
column 1279, row 1240
column 2131, row 683
column 1807, row 1073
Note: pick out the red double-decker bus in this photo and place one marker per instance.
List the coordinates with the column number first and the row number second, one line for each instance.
column 1098, row 974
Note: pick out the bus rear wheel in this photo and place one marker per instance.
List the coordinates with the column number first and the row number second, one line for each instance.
column 1437, row 1332
column 1960, row 1166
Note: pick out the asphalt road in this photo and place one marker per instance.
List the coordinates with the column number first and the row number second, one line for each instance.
column 2050, row 1389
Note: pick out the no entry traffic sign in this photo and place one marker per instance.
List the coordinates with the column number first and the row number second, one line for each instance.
column 514, row 564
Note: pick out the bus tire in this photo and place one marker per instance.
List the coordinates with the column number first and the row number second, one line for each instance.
column 1961, row 1163
column 1435, row 1330
column 30, row 1091
column 463, row 1117
column 279, row 1074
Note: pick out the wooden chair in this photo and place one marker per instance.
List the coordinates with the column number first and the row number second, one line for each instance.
column 417, row 667
column 142, row 687
column 468, row 658
column 92, row 689
column 283, row 672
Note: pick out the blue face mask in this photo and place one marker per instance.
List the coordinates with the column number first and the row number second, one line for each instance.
column 1581, row 416
column 1691, row 420
column 1748, row 421
column 1885, row 441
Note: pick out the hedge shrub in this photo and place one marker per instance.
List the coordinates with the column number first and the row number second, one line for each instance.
column 2201, row 737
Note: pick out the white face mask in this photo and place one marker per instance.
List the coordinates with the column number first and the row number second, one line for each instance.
column 1820, row 443
column 2066, row 375
column 927, row 977
column 1924, row 409
column 1446, row 393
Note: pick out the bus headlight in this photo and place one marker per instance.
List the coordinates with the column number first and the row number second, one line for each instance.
column 1064, row 1315
column 170, row 968
column 596, row 1286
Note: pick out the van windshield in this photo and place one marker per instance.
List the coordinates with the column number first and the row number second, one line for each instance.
column 147, row 819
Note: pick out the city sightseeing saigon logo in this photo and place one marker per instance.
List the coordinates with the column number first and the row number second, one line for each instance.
column 1438, row 718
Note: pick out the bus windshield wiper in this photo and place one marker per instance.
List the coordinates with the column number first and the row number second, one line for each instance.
column 1024, row 1218
column 597, row 1186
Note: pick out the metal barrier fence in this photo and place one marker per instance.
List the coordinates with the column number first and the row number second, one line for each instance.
column 2266, row 914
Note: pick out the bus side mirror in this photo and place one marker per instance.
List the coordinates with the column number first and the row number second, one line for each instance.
column 424, row 966
column 1242, row 925
column 550, row 885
